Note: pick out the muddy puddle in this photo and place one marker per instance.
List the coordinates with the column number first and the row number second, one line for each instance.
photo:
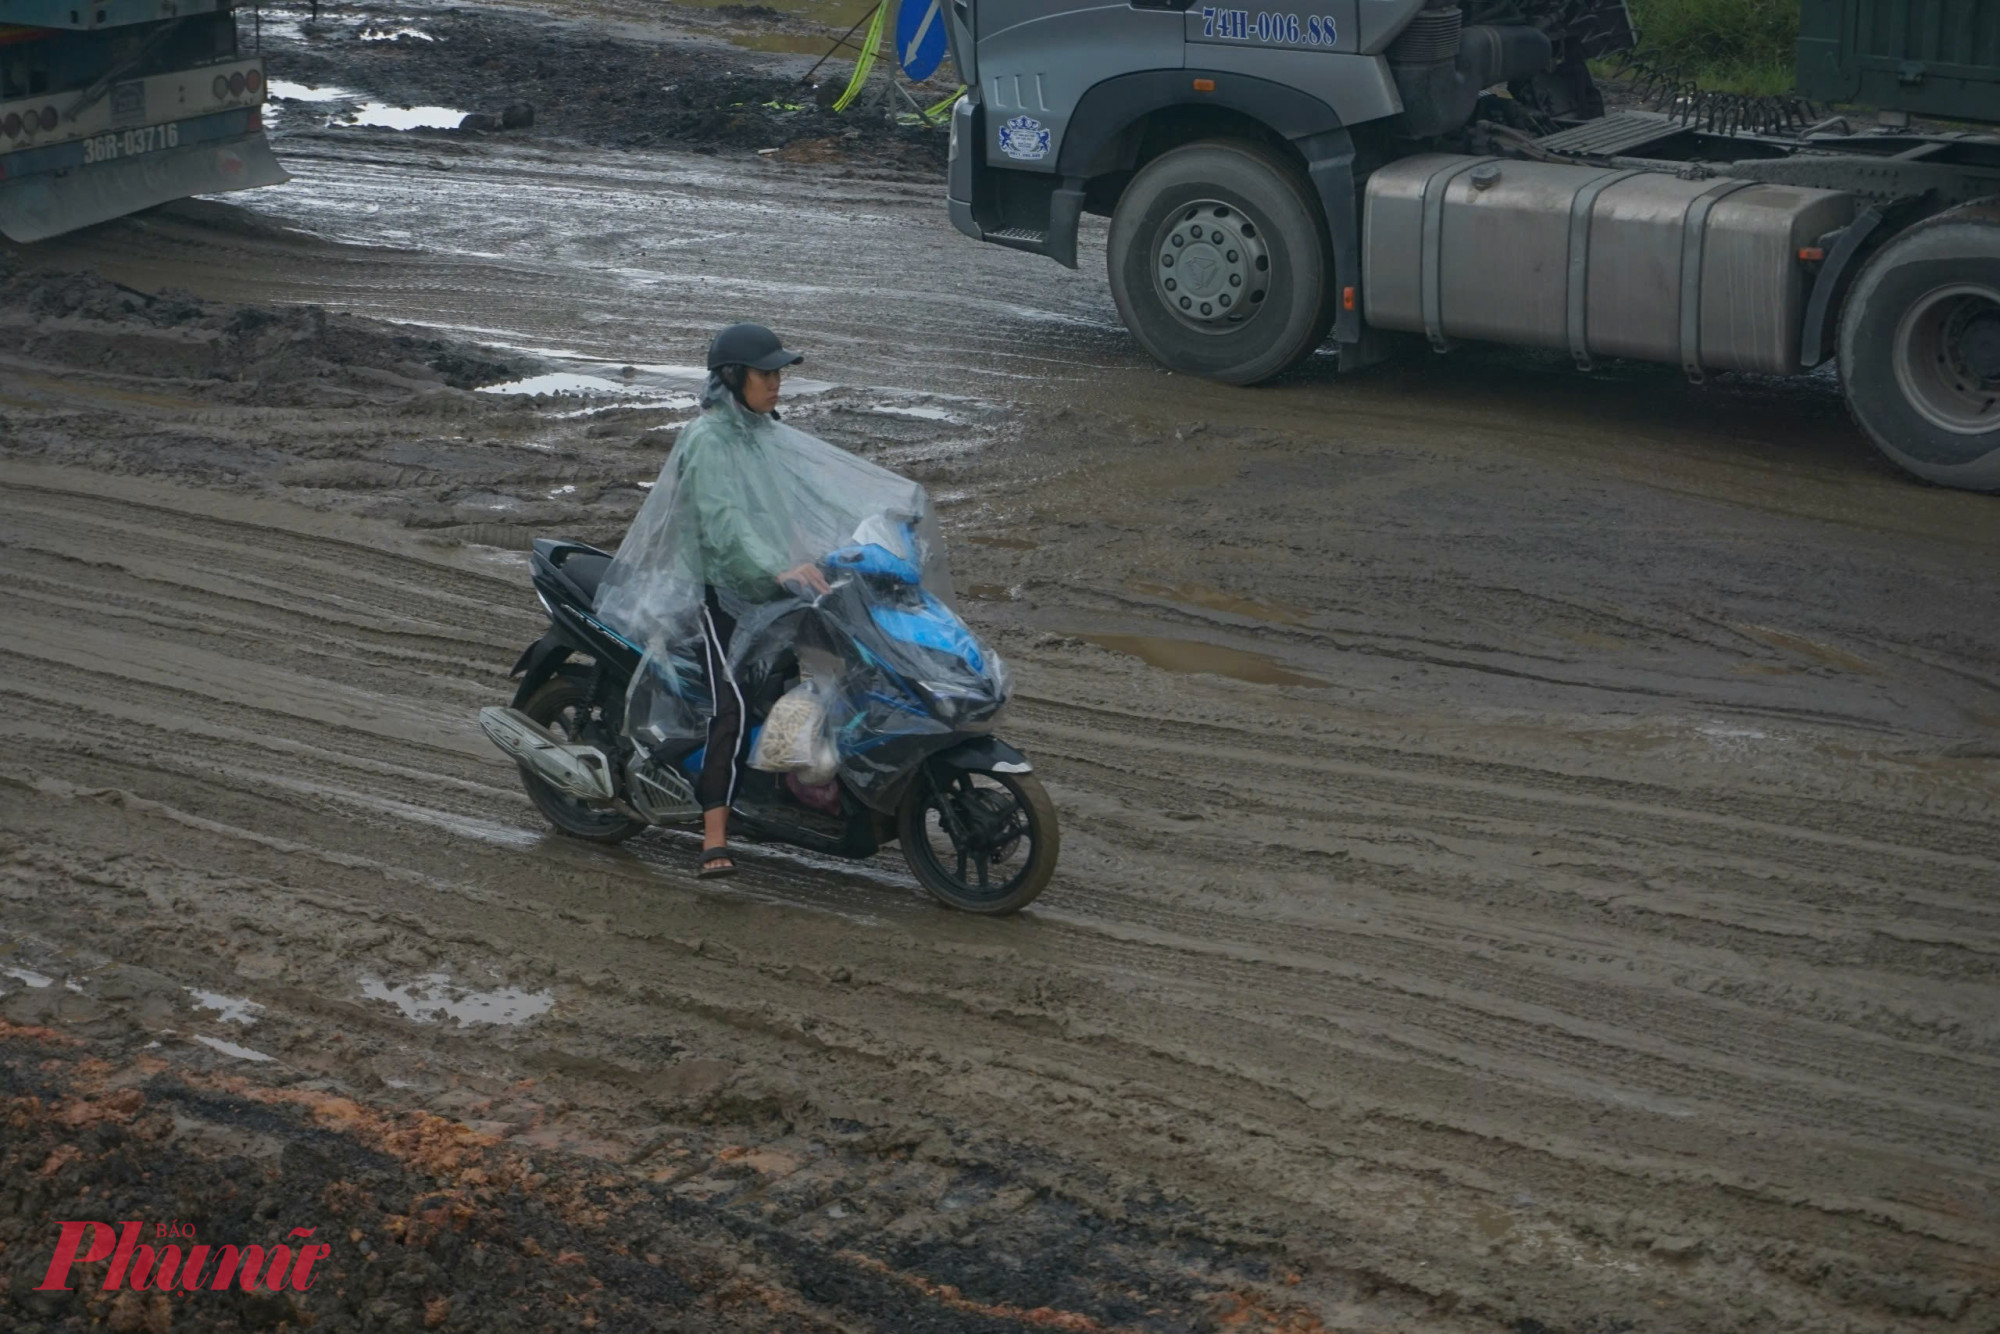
column 227, row 1009
column 435, row 998
column 332, row 106
column 381, row 115
column 233, row 1050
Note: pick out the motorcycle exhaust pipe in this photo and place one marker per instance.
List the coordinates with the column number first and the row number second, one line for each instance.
column 574, row 770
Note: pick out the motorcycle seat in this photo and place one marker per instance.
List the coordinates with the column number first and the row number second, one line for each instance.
column 585, row 569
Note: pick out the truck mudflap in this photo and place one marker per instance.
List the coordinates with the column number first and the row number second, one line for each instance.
column 33, row 208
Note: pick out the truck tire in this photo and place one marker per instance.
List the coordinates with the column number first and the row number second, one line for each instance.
column 1219, row 262
column 1920, row 348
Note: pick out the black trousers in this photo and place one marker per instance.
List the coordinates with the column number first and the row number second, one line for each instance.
column 715, row 788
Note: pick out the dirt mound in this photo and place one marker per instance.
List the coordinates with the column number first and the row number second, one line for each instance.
column 427, row 1222
column 280, row 356
column 346, row 413
column 611, row 90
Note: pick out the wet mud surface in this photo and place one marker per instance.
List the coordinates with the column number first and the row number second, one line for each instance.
column 625, row 79
column 1530, row 850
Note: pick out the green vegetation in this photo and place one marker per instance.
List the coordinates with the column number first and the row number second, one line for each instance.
column 1743, row 46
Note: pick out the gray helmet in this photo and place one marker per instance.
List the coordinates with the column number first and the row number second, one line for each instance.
column 750, row 345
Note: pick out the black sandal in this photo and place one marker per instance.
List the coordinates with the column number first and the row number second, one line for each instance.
column 716, row 863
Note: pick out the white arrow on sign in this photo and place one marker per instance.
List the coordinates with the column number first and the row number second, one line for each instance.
column 917, row 39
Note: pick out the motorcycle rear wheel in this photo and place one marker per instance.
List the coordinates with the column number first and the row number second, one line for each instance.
column 563, row 705
column 959, row 829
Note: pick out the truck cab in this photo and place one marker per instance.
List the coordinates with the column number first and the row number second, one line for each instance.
column 1068, row 104
column 1278, row 174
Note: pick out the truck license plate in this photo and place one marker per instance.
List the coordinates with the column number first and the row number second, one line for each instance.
column 131, row 143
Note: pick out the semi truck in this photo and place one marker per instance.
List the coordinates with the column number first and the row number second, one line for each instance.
column 1410, row 172
column 111, row 106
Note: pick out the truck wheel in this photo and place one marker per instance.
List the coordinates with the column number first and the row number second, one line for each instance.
column 1920, row 348
column 1219, row 262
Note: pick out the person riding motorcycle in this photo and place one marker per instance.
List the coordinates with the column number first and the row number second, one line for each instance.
column 746, row 364
column 729, row 545
column 774, row 578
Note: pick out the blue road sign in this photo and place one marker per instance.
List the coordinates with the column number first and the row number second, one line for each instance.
column 920, row 42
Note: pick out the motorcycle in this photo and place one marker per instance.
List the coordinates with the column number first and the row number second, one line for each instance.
column 911, row 726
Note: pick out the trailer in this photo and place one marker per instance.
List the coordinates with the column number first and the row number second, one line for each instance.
column 111, row 106
column 1445, row 171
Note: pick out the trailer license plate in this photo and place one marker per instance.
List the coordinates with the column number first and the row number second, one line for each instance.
column 131, row 143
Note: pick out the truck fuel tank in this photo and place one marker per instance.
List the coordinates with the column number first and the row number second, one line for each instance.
column 1604, row 262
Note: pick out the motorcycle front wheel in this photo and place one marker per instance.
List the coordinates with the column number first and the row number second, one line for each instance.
column 980, row 842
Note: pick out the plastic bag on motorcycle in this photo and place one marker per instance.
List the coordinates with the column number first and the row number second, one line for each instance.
column 745, row 498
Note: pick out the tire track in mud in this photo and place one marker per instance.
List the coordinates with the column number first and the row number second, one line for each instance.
column 1848, row 825
column 1879, row 894
column 1374, row 1065
column 1047, row 1060
column 1453, row 976
column 290, row 568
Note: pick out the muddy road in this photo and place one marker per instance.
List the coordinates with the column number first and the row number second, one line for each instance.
column 1531, row 849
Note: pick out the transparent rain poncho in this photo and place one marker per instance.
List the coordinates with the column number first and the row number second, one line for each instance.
column 745, row 498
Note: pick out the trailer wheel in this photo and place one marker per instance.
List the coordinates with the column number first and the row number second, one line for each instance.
column 1920, row 348
column 1219, row 262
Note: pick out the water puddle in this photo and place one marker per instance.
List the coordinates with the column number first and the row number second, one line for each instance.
column 917, row 410
column 359, row 111
column 559, row 382
column 630, row 387
column 231, row 1049
column 29, row 976
column 382, row 116
column 434, row 998
column 286, row 91
column 658, row 384
column 393, row 34
column 283, row 93
column 1196, row 656
column 231, row 1009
